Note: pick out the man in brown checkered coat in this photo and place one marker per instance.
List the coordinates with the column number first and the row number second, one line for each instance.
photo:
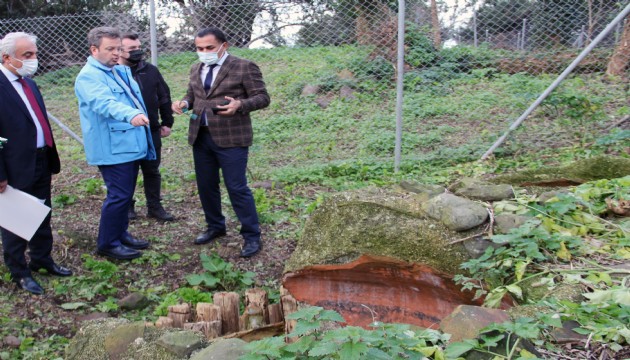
column 222, row 91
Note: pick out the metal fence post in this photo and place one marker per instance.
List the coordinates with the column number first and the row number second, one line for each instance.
column 400, row 64
column 153, row 34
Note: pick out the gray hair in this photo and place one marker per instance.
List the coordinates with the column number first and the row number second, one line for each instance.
column 96, row 35
column 7, row 45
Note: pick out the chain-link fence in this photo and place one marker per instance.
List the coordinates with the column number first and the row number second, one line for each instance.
column 443, row 39
column 535, row 36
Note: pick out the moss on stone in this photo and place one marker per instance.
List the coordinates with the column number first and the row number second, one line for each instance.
column 601, row 167
column 376, row 222
column 88, row 342
column 562, row 291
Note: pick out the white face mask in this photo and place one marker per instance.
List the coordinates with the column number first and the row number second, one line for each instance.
column 29, row 67
column 209, row 58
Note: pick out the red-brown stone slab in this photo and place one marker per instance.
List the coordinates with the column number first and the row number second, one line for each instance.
column 380, row 288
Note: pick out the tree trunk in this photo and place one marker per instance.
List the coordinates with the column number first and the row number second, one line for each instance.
column 435, row 23
column 621, row 57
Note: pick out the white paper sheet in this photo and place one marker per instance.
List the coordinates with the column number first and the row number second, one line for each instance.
column 21, row 213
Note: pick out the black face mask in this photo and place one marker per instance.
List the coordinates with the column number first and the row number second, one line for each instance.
column 135, row 56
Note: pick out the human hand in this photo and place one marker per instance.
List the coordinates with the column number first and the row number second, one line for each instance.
column 231, row 108
column 3, row 185
column 140, row 120
column 165, row 131
column 179, row 106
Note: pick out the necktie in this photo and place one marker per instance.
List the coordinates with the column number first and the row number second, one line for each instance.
column 207, row 82
column 38, row 112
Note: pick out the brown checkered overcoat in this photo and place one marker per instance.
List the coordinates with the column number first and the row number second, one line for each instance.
column 238, row 78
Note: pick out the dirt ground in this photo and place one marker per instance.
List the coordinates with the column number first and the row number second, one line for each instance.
column 75, row 228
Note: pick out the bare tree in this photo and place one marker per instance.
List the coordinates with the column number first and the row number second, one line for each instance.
column 620, row 59
column 435, row 25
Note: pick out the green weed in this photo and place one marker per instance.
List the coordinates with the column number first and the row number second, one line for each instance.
column 220, row 274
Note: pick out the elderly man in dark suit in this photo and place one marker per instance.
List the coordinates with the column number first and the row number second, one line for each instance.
column 28, row 159
column 223, row 90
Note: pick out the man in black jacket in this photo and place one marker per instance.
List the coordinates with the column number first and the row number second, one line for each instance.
column 157, row 97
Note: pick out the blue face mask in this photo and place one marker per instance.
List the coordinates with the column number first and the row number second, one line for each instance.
column 209, row 58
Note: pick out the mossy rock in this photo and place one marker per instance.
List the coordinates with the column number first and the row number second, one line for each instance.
column 89, row 342
column 581, row 171
column 376, row 222
column 533, row 292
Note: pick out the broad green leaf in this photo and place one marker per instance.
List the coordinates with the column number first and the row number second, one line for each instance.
column 323, row 348
column 331, row 315
column 301, row 346
column 621, row 296
column 352, row 351
column 304, row 328
column 377, row 354
column 456, row 349
column 516, row 290
column 73, row 305
column 307, row 313
column 493, row 300
column 563, row 253
column 520, row 268
column 552, row 320
column 527, row 355
column 194, row 279
column 427, row 350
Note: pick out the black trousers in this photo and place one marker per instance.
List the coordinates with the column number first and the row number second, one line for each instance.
column 40, row 246
column 232, row 162
column 151, row 174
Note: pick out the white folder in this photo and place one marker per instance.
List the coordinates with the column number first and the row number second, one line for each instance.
column 21, row 213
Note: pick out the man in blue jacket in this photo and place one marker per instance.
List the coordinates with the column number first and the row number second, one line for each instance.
column 116, row 137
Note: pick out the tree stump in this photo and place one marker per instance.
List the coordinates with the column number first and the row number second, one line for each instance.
column 252, row 318
column 214, row 329
column 275, row 313
column 208, row 312
column 289, row 306
column 201, row 326
column 228, row 303
column 260, row 299
column 164, row 322
column 180, row 315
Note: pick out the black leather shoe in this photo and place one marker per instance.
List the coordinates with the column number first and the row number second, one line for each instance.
column 52, row 270
column 133, row 243
column 160, row 214
column 120, row 253
column 251, row 248
column 29, row 284
column 208, row 236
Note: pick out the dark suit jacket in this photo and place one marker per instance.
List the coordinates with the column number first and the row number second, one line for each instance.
column 238, row 78
column 18, row 155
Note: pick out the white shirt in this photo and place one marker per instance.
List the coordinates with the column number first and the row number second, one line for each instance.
column 18, row 87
